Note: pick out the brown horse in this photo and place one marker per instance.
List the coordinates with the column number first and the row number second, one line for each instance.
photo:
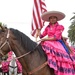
column 30, row 55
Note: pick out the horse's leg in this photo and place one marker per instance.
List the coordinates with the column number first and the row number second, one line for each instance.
column 0, row 73
column 15, row 71
column 4, row 74
column 19, row 74
column 10, row 70
column 7, row 73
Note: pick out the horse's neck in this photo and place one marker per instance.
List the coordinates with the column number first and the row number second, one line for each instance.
column 35, row 59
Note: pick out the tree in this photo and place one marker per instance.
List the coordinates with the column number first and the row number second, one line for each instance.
column 71, row 31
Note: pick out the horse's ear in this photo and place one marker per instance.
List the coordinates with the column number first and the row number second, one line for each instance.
column 2, row 27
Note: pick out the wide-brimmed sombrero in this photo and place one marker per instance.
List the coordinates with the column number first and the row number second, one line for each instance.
column 45, row 16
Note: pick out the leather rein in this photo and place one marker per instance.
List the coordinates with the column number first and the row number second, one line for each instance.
column 28, row 73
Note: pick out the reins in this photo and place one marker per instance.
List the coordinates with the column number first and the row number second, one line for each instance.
column 23, row 55
column 28, row 52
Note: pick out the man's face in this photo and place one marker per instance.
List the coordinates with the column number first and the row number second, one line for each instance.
column 53, row 19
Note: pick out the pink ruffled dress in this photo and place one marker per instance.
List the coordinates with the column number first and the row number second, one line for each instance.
column 58, row 57
column 17, row 62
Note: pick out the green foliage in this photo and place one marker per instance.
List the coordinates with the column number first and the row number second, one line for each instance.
column 71, row 31
column 0, row 23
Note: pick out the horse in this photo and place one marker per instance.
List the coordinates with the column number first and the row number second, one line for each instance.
column 13, row 66
column 29, row 53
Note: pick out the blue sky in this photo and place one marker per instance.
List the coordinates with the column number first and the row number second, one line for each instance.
column 18, row 13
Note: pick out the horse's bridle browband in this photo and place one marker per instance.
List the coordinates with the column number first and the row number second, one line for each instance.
column 7, row 42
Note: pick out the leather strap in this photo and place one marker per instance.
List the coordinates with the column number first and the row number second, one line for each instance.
column 38, row 68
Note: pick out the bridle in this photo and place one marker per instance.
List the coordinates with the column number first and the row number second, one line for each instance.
column 7, row 42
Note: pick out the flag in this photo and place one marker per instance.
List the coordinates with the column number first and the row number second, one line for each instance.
column 37, row 23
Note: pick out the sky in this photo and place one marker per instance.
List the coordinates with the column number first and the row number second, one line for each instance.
column 17, row 14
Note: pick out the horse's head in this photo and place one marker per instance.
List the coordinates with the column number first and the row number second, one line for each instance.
column 12, row 39
column 4, row 41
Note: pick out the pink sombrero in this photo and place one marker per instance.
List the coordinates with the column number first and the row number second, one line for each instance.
column 45, row 16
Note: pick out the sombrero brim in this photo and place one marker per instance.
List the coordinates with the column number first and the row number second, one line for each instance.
column 45, row 16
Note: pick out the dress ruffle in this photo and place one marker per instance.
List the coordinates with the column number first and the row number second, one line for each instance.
column 58, row 58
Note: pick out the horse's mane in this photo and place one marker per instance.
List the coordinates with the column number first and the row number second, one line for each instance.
column 26, row 42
